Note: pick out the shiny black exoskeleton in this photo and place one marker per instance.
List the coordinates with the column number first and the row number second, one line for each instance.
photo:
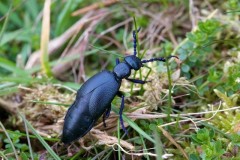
column 96, row 94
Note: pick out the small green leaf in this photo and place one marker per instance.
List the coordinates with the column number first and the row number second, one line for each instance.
column 152, row 127
column 209, row 27
column 11, row 67
column 214, row 75
column 182, row 53
column 193, row 59
column 185, row 68
column 202, row 136
column 182, row 56
column 235, row 139
column 193, row 157
column 188, row 45
column 198, row 37
column 24, row 156
column 48, row 148
column 211, row 133
column 233, row 4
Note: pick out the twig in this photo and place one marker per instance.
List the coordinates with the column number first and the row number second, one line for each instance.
column 171, row 139
column 191, row 13
column 113, row 28
column 94, row 7
column 8, row 106
column 79, row 47
column 59, row 41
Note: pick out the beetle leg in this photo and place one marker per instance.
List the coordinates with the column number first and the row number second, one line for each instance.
column 106, row 115
column 120, row 94
column 120, row 114
column 104, row 118
column 117, row 61
column 137, row 81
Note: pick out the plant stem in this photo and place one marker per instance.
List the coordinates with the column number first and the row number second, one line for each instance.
column 169, row 110
column 119, row 150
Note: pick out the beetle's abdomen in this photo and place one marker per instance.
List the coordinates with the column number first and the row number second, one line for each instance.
column 78, row 120
column 92, row 100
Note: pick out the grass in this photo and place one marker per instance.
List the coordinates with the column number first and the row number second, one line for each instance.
column 188, row 110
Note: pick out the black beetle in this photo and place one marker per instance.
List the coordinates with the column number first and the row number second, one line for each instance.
column 96, row 94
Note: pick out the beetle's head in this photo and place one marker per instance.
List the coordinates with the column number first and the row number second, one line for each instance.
column 134, row 62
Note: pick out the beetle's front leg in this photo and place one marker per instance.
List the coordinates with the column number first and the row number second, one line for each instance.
column 120, row 94
column 137, row 81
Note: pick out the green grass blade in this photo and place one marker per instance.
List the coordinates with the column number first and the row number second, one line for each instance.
column 119, row 138
column 137, row 128
column 19, row 79
column 8, row 90
column 13, row 17
column 3, row 156
column 10, row 66
column 6, row 85
column 63, row 18
column 48, row 148
column 10, row 141
column 28, row 140
column 108, row 52
column 54, row 63
column 32, row 8
column 134, row 125
column 158, row 145
column 169, row 109
column 10, row 36
column 5, row 23
column 144, row 147
column 32, row 136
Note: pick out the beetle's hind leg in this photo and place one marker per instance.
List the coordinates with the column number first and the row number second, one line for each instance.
column 120, row 114
column 120, row 94
column 106, row 115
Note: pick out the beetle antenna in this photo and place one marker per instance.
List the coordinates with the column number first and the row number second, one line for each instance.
column 135, row 41
column 158, row 59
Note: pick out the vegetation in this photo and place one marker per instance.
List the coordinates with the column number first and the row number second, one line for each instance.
column 188, row 110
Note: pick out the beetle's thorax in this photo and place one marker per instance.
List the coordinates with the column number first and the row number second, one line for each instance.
column 123, row 69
